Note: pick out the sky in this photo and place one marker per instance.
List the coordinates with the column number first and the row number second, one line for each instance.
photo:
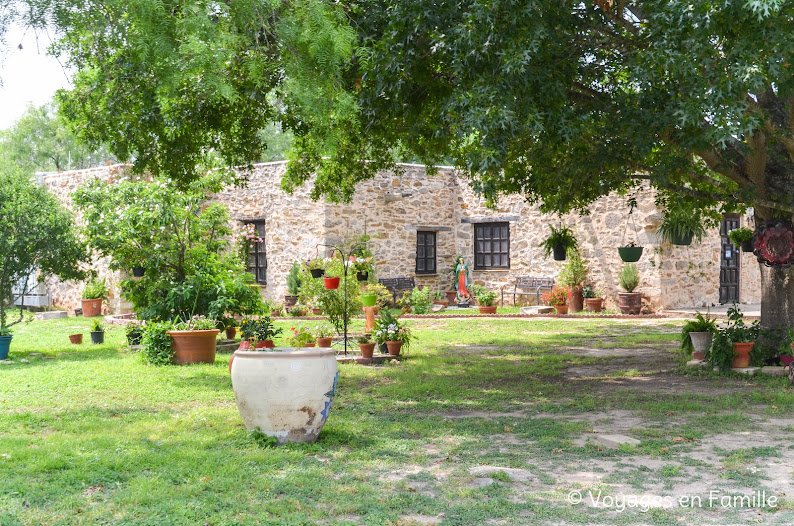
column 28, row 75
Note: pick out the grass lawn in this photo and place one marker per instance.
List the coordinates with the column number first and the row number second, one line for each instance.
column 487, row 421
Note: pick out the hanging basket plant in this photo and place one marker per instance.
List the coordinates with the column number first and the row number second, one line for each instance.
column 559, row 242
column 630, row 253
column 316, row 267
column 742, row 237
column 774, row 243
column 681, row 226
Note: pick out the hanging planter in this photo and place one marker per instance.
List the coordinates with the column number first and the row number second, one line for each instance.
column 362, row 276
column 681, row 225
column 742, row 237
column 774, row 243
column 137, row 272
column 369, row 300
column 331, row 283
column 683, row 239
column 630, row 253
column 317, row 272
column 559, row 242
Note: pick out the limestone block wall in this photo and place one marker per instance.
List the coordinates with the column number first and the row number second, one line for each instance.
column 67, row 295
column 392, row 207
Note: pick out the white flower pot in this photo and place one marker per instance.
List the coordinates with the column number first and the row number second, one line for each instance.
column 286, row 392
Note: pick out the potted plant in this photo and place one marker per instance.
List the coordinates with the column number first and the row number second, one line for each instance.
column 389, row 331
column 134, row 334
column 559, row 242
column 363, row 267
column 731, row 344
column 438, row 299
column 194, row 340
column 94, row 293
column 742, row 237
column 298, row 310
column 630, row 253
column 573, row 276
column 5, row 342
column 229, row 326
column 324, row 335
column 293, row 285
column 485, row 299
column 316, row 267
column 593, row 300
column 331, row 283
column 368, row 299
column 301, row 337
column 630, row 302
column 366, row 345
column 696, row 335
column 681, row 226
column 404, row 303
column 258, row 333
column 557, row 297
column 420, row 300
column 97, row 332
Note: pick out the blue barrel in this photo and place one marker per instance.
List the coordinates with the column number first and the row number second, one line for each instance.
column 5, row 344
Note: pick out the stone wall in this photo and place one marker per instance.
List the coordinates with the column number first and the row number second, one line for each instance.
column 391, row 208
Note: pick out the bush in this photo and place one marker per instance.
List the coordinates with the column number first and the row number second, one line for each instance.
column 629, row 277
column 156, row 345
column 420, row 300
column 385, row 297
column 294, row 280
column 193, row 268
column 95, row 289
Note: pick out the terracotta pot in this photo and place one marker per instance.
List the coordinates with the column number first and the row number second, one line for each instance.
column 317, row 310
column 244, row 345
column 394, row 348
column 487, row 310
column 275, row 313
column 406, row 310
column 193, row 346
column 741, row 351
column 324, row 342
column 367, row 349
column 594, row 304
column 76, row 339
column 451, row 295
column 630, row 302
column 290, row 301
column 231, row 332
column 92, row 307
column 264, row 344
column 561, row 309
column 331, row 283
column 286, row 394
column 701, row 341
column 575, row 299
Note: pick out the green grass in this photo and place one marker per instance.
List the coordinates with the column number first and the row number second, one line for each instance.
column 89, row 434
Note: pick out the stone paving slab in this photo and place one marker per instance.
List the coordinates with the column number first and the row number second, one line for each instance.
column 615, row 441
column 51, row 315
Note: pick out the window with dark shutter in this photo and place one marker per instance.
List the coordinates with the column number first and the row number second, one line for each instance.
column 425, row 252
column 257, row 256
column 491, row 246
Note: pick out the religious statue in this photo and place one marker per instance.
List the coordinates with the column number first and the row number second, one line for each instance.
column 462, row 281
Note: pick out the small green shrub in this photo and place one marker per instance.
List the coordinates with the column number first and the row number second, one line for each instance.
column 96, row 326
column 294, row 279
column 96, row 288
column 629, row 277
column 420, row 300
column 156, row 345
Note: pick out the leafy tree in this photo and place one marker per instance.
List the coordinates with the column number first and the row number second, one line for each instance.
column 35, row 235
column 183, row 244
column 526, row 97
column 42, row 141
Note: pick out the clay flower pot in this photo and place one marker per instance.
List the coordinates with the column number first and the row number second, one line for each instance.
column 394, row 348
column 575, row 299
column 594, row 304
column 331, row 283
column 76, row 339
column 193, row 346
column 92, row 307
column 451, row 295
column 367, row 349
column 324, row 342
column 741, row 351
column 286, row 394
column 630, row 302
column 264, row 344
column 561, row 309
column 701, row 341
column 231, row 332
column 487, row 310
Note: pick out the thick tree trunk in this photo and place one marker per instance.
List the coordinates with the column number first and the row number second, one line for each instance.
column 777, row 297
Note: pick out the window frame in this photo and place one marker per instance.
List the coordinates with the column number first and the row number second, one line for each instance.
column 477, row 252
column 259, row 250
column 425, row 258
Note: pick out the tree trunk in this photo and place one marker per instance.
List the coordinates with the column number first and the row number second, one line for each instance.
column 777, row 297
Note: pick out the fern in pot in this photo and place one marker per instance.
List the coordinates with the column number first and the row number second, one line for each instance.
column 696, row 336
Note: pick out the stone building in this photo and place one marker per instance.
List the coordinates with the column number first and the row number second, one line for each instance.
column 402, row 212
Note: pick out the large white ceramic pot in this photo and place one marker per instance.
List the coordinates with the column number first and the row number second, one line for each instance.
column 286, row 392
